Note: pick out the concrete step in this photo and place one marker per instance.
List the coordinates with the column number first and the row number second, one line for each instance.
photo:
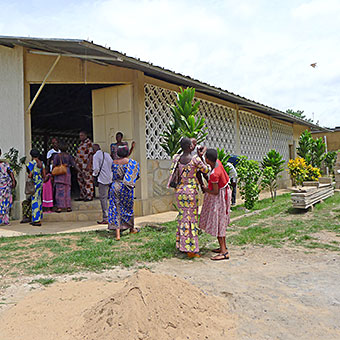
column 86, row 206
column 74, row 216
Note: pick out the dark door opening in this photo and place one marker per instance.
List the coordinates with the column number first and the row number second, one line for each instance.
column 61, row 111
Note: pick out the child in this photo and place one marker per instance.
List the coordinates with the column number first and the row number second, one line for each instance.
column 47, row 194
column 215, row 215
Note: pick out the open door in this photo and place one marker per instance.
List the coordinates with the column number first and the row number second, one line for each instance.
column 112, row 112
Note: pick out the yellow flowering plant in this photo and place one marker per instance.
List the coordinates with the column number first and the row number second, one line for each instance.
column 299, row 171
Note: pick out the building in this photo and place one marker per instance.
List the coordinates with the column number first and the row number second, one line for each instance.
column 330, row 137
column 55, row 87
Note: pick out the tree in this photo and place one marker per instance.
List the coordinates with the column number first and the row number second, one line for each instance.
column 330, row 159
column 311, row 150
column 272, row 165
column 299, row 114
column 223, row 157
column 184, row 123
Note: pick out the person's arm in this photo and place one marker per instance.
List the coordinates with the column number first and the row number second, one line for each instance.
column 215, row 190
column 43, row 173
column 95, row 167
column 132, row 147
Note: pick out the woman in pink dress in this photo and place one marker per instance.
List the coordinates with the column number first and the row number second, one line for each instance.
column 215, row 214
column 186, row 167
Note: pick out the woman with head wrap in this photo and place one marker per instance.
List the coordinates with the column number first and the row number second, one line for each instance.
column 36, row 171
column 121, row 195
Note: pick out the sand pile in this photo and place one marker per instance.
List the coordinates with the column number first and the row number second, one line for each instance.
column 144, row 306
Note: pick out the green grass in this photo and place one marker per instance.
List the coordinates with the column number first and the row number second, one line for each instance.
column 43, row 281
column 277, row 225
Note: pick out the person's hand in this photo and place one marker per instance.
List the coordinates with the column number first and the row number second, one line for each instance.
column 133, row 144
column 204, row 189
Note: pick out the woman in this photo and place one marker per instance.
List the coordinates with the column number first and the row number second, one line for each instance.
column 121, row 195
column 36, row 171
column 186, row 167
column 62, row 183
column 114, row 146
column 215, row 214
column 7, row 183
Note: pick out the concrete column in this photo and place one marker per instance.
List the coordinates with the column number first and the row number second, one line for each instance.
column 237, row 131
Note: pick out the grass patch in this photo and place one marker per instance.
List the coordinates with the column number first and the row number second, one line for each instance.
column 43, row 281
column 275, row 226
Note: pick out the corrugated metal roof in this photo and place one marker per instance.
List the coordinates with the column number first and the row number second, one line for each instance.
column 103, row 55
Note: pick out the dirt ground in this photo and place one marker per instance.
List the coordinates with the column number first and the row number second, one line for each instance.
column 273, row 293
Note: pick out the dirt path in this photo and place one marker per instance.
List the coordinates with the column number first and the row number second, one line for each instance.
column 275, row 293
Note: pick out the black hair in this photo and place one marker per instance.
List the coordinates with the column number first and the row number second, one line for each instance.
column 119, row 134
column 211, row 154
column 63, row 146
column 35, row 153
column 83, row 131
column 185, row 143
column 122, row 151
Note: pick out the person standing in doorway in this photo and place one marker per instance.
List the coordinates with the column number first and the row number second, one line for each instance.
column 51, row 152
column 84, row 162
column 114, row 146
column 102, row 170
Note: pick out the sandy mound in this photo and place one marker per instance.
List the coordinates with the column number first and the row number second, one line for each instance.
column 144, row 306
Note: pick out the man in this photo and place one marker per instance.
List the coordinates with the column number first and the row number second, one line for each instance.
column 102, row 168
column 232, row 161
column 84, row 162
column 50, row 153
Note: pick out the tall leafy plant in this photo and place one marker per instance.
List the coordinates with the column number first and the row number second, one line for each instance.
column 272, row 165
column 330, row 159
column 311, row 150
column 223, row 157
column 249, row 176
column 184, row 122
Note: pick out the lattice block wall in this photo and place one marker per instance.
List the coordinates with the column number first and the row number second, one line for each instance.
column 220, row 121
column 254, row 135
column 282, row 136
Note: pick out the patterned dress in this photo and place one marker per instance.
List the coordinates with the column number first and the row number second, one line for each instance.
column 37, row 196
column 121, row 195
column 215, row 214
column 5, row 192
column 187, row 203
column 62, row 183
column 85, row 180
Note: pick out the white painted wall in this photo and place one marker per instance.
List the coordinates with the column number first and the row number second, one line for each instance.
column 12, row 132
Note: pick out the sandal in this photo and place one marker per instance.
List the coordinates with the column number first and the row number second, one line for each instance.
column 58, row 211
column 217, row 250
column 36, row 224
column 193, row 255
column 69, row 210
column 135, row 231
column 220, row 257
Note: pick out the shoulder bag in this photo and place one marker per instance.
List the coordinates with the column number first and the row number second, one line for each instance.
column 176, row 177
column 60, row 169
column 95, row 178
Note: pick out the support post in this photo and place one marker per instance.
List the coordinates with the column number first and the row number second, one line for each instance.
column 43, row 83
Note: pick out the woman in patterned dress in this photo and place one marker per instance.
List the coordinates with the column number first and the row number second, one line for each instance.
column 187, row 197
column 7, row 183
column 121, row 194
column 36, row 171
column 215, row 214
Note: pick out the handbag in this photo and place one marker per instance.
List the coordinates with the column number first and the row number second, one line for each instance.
column 29, row 187
column 95, row 178
column 175, row 178
column 60, row 169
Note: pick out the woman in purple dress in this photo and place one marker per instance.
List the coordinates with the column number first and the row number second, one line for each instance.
column 62, row 183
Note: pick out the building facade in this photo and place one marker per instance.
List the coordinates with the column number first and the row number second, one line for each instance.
column 54, row 87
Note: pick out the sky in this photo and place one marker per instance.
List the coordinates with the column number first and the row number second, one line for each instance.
column 259, row 49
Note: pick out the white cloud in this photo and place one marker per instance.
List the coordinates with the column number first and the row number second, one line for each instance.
column 258, row 49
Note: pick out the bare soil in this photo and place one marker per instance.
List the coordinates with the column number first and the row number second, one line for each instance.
column 267, row 293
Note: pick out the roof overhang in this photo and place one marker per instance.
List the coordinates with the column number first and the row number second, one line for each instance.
column 86, row 50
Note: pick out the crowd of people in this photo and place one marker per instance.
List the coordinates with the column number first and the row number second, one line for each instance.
column 195, row 168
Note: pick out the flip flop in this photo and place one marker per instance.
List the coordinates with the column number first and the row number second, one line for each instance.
column 136, row 231
column 217, row 250
column 225, row 256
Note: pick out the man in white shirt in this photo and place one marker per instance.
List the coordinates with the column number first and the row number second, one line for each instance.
column 50, row 153
column 233, row 181
column 102, row 169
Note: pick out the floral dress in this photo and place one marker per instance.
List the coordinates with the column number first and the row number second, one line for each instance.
column 5, row 192
column 37, row 196
column 187, row 203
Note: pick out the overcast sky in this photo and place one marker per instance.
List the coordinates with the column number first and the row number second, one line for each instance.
column 259, row 49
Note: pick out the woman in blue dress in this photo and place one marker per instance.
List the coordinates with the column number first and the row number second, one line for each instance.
column 121, row 195
column 36, row 171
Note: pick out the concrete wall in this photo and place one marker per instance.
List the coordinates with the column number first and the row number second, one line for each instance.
column 12, row 124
